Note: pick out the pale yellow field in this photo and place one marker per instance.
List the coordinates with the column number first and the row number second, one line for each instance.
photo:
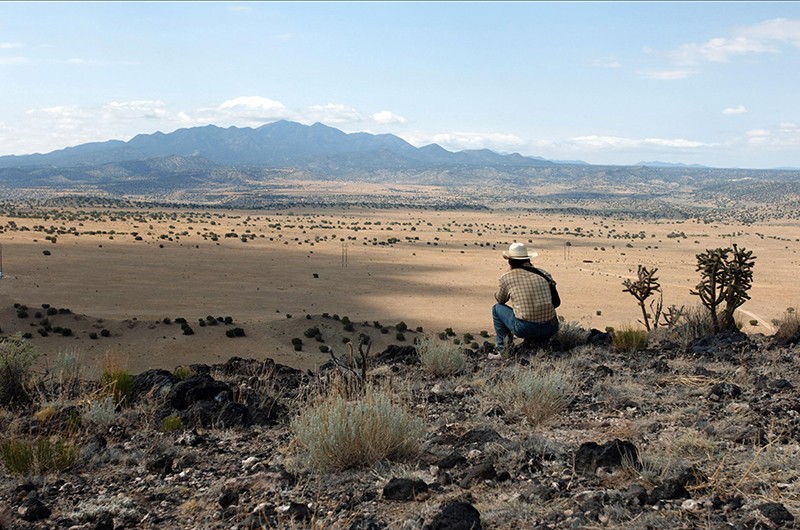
column 445, row 278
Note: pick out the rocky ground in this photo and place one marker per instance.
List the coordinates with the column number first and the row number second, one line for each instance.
column 700, row 435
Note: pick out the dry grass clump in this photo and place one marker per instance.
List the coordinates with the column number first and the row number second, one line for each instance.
column 38, row 455
column 340, row 434
column 538, row 394
column 441, row 358
column 628, row 340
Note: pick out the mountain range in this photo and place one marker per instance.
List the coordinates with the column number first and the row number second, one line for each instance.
column 280, row 144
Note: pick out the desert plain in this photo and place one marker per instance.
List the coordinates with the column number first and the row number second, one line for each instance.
column 278, row 272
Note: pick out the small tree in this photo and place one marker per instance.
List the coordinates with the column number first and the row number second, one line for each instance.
column 726, row 276
column 643, row 288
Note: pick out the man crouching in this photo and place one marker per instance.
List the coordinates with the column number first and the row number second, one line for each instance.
column 528, row 290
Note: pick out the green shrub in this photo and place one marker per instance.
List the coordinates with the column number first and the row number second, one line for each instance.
column 538, row 395
column 629, row 340
column 338, row 434
column 171, row 424
column 401, row 326
column 16, row 359
column 40, row 455
column 399, row 336
column 183, row 372
column 440, row 358
column 117, row 383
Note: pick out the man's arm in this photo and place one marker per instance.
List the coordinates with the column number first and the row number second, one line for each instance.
column 502, row 295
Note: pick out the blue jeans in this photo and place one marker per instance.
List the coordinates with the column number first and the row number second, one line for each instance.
column 506, row 324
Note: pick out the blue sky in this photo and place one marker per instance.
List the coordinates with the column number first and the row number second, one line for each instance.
column 714, row 83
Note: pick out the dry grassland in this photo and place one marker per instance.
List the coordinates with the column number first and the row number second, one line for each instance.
column 434, row 269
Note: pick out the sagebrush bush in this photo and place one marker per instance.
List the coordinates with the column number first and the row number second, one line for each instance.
column 570, row 335
column 440, row 358
column 101, row 412
column 16, row 359
column 340, row 434
column 538, row 395
column 629, row 339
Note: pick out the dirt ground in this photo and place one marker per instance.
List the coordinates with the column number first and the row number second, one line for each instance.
column 277, row 272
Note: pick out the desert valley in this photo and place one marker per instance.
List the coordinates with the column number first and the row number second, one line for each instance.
column 188, row 343
column 271, row 271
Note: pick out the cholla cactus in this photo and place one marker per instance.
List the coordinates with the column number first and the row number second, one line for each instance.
column 726, row 276
column 642, row 289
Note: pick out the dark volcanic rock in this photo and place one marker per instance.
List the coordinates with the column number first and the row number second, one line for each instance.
column 404, row 489
column 483, row 471
column 478, row 437
column 367, row 523
column 32, row 509
column 615, row 453
column 395, row 354
column 228, row 498
column 452, row 460
column 299, row 511
column 598, row 337
column 456, row 516
column 776, row 513
column 157, row 381
column 197, row 388
column 725, row 390
column 668, row 490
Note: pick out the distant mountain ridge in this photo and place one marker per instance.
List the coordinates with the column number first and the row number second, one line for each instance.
column 280, row 144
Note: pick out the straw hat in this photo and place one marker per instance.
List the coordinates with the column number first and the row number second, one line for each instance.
column 519, row 251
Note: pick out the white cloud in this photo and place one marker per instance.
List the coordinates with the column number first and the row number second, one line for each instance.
column 252, row 102
column 785, row 136
column 738, row 109
column 618, row 142
column 607, row 62
column 459, row 141
column 9, row 45
column 14, row 60
column 666, row 75
column 768, row 37
column 777, row 29
column 331, row 113
column 136, row 109
column 719, row 50
column 387, row 116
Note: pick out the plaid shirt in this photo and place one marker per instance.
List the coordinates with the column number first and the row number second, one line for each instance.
column 528, row 293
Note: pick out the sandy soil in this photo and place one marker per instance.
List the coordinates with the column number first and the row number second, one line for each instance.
column 433, row 269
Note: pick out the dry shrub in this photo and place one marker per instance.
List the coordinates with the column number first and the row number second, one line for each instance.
column 341, row 434
column 538, row 394
column 570, row 335
column 441, row 358
column 695, row 323
column 629, row 340
column 789, row 325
